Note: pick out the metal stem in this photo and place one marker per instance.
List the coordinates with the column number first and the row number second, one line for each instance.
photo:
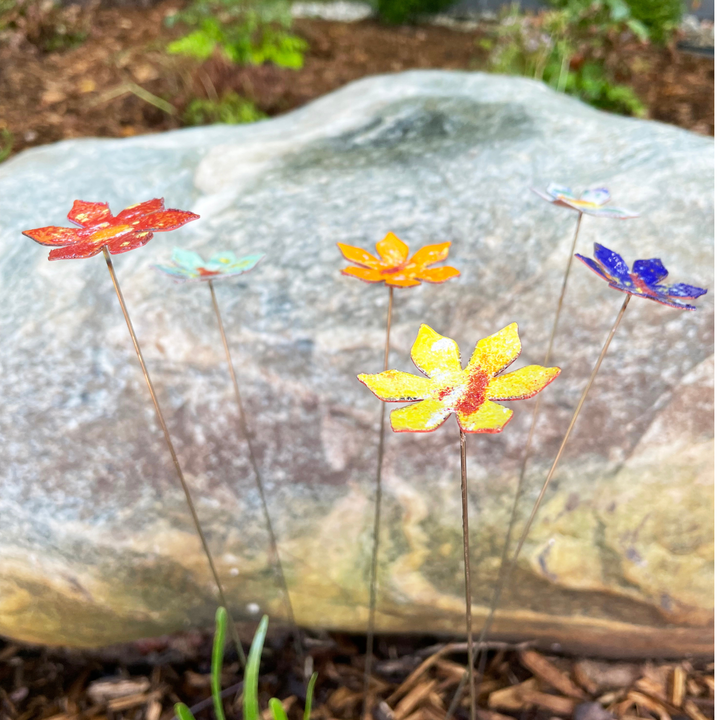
column 376, row 526
column 242, row 422
column 173, row 454
column 466, row 557
column 502, row 574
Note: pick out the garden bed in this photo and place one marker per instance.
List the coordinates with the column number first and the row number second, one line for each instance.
column 120, row 81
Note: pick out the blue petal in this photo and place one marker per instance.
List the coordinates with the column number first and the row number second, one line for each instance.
column 596, row 196
column 593, row 266
column 682, row 290
column 553, row 189
column 651, row 271
column 613, row 263
column 187, row 259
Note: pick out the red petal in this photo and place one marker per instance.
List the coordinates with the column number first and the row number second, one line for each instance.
column 75, row 252
column 53, row 236
column 129, row 242
column 144, row 208
column 89, row 213
column 167, row 220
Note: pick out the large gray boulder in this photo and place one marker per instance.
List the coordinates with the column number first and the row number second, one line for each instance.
column 96, row 544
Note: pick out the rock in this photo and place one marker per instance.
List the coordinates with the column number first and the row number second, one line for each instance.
column 96, row 545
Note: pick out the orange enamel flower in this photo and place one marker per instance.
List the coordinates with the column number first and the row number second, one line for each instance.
column 130, row 229
column 448, row 388
column 393, row 267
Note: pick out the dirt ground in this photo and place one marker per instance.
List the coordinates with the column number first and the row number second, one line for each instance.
column 101, row 87
column 414, row 679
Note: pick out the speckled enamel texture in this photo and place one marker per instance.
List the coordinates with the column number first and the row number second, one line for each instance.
column 448, row 388
column 130, row 229
column 392, row 265
column 645, row 278
column 591, row 202
column 187, row 265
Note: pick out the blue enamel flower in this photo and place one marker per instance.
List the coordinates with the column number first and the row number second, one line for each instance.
column 186, row 265
column 645, row 278
column 591, row 202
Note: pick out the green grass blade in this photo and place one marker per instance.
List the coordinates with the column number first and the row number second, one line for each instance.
column 251, row 709
column 182, row 711
column 309, row 697
column 277, row 709
column 217, row 661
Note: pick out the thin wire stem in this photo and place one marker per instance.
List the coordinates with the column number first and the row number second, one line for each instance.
column 173, row 454
column 502, row 573
column 376, row 525
column 242, row 422
column 466, row 558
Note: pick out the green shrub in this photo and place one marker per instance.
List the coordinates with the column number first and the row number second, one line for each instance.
column 231, row 109
column 397, row 12
column 661, row 17
column 246, row 34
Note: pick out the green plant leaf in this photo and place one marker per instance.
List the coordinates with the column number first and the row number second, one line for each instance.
column 639, row 28
column 309, row 697
column 277, row 709
column 251, row 708
column 198, row 44
column 217, row 661
column 182, row 711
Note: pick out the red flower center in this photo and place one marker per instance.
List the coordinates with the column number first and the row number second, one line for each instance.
column 474, row 395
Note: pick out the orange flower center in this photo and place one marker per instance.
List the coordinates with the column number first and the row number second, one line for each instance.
column 100, row 237
column 394, row 268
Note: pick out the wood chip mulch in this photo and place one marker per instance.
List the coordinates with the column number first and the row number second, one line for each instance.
column 412, row 681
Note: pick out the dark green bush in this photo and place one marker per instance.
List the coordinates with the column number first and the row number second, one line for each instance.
column 397, row 12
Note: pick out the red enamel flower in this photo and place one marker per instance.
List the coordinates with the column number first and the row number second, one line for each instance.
column 130, row 229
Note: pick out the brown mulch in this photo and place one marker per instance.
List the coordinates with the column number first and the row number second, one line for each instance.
column 412, row 680
column 100, row 88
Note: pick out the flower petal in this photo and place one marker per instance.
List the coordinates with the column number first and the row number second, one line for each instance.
column 522, row 383
column 397, row 386
column 176, row 273
column 392, row 250
column 434, row 354
column 430, row 254
column 606, row 212
column 493, row 354
column 75, row 252
column 54, row 236
column 488, row 418
column 682, row 290
column 187, row 259
column 144, row 208
column 556, row 191
column 595, row 267
column 612, row 262
column 651, row 271
column 358, row 256
column 89, row 213
column 128, row 242
column 438, row 275
column 369, row 275
column 596, row 196
column 165, row 220
column 399, row 279
column 424, row 416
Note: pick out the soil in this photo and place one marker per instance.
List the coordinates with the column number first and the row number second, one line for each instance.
column 120, row 81
column 412, row 680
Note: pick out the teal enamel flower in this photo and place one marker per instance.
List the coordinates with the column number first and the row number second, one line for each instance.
column 187, row 265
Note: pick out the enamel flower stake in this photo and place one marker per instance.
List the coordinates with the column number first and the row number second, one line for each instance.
column 189, row 266
column 101, row 231
column 470, row 394
column 393, row 268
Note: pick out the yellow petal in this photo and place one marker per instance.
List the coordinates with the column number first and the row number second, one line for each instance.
column 488, row 418
column 438, row 275
column 521, row 384
column 392, row 250
column 396, row 386
column 430, row 254
column 435, row 354
column 358, row 256
column 424, row 416
column 493, row 354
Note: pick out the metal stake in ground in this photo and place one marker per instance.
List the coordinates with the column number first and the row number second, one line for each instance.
column 258, row 478
column 173, row 454
column 376, row 526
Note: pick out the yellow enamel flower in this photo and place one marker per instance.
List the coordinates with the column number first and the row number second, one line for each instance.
column 448, row 388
